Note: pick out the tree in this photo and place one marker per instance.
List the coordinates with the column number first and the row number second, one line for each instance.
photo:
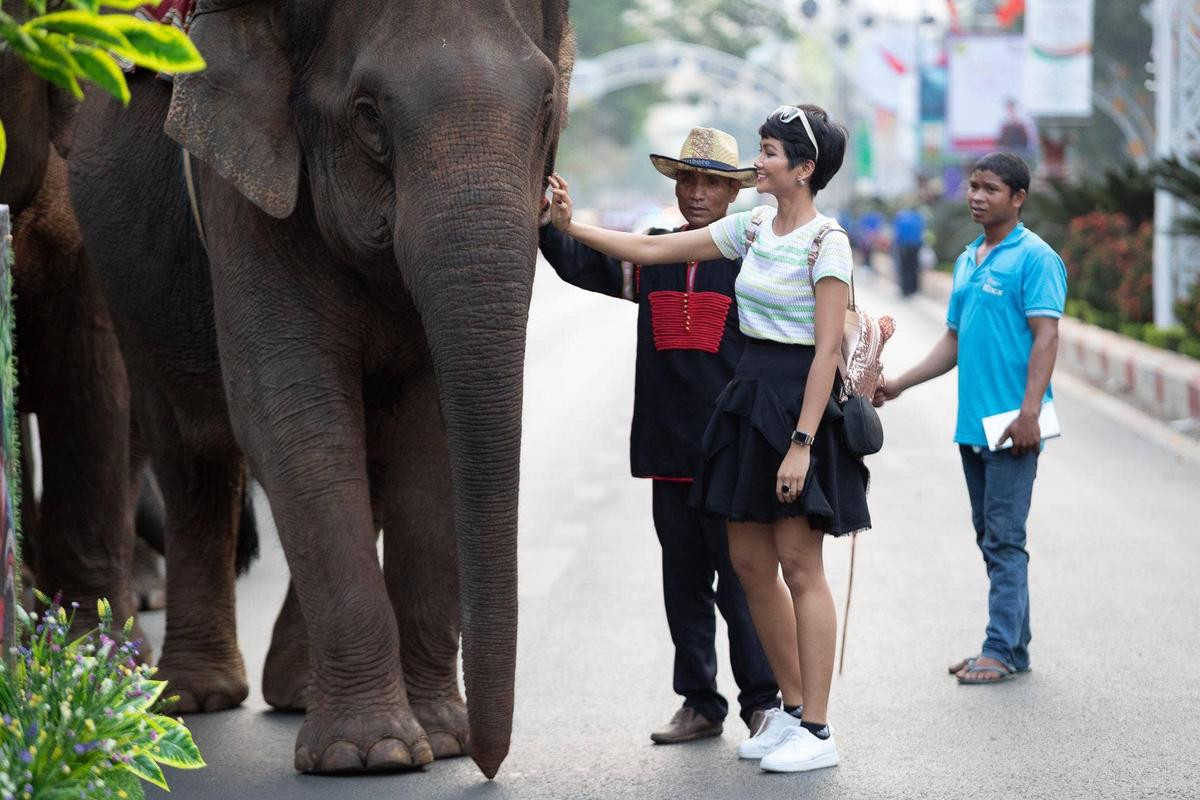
column 79, row 44
column 733, row 26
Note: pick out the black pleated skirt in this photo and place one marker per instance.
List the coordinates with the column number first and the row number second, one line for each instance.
column 749, row 434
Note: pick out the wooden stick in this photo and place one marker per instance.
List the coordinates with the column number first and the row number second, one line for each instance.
column 846, row 613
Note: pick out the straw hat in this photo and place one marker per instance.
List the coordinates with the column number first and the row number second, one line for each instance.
column 710, row 151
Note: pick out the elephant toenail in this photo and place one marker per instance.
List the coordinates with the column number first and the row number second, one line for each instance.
column 217, row 702
column 304, row 760
column 445, row 745
column 341, row 757
column 393, row 754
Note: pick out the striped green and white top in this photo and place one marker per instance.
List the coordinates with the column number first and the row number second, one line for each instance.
column 774, row 298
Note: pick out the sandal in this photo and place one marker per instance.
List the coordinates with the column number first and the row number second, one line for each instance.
column 967, row 662
column 1003, row 672
column 958, row 667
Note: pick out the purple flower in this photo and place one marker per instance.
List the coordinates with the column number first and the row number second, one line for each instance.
column 26, row 756
column 80, row 749
column 33, row 730
column 7, row 719
column 54, row 648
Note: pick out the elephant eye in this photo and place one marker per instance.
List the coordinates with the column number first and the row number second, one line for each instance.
column 369, row 128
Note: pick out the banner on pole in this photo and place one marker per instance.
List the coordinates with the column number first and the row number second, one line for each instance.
column 1058, row 58
column 983, row 94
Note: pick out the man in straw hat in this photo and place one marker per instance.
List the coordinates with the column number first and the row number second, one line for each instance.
column 688, row 345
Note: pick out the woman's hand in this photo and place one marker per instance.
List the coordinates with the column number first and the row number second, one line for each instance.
column 792, row 473
column 560, row 203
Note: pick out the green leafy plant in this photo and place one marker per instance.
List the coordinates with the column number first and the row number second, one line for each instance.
column 79, row 716
column 80, row 44
column 1187, row 311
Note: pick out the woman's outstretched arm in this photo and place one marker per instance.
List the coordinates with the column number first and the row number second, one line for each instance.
column 669, row 248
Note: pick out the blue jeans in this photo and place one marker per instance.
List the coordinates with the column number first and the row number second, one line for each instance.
column 1000, row 485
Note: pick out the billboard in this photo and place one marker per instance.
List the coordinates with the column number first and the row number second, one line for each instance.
column 983, row 93
column 1058, row 58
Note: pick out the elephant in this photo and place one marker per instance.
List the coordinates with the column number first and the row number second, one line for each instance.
column 150, row 523
column 78, row 540
column 345, row 313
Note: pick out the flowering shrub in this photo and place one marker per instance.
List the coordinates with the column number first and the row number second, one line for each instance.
column 1110, row 267
column 77, row 714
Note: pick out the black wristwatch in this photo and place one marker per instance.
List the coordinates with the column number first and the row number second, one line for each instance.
column 803, row 439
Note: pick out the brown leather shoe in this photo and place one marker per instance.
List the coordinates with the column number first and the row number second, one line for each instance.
column 686, row 726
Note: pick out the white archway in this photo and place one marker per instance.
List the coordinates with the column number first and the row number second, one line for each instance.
column 734, row 82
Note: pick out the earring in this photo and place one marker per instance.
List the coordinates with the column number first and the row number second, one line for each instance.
column 800, row 181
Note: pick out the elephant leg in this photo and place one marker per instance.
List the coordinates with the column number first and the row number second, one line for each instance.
column 85, row 527
column 309, row 454
column 420, row 563
column 200, row 660
column 286, row 673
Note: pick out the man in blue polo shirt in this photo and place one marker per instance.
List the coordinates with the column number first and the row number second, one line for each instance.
column 1002, row 334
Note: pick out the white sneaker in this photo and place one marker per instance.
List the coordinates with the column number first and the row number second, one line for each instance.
column 769, row 734
column 800, row 751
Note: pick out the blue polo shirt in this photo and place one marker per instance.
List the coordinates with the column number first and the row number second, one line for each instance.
column 990, row 304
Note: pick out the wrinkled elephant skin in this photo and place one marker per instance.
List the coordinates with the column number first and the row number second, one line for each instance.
column 78, row 540
column 369, row 176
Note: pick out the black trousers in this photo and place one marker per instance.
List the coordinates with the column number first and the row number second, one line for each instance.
column 695, row 549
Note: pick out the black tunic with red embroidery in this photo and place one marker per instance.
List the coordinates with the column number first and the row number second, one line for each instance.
column 687, row 347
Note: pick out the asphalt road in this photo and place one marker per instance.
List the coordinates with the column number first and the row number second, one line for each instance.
column 1109, row 711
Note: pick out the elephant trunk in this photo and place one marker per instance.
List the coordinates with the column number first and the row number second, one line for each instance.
column 473, row 298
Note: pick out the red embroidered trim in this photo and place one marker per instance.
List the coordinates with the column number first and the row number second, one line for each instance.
column 688, row 321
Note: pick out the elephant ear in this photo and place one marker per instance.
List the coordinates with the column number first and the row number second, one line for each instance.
column 234, row 115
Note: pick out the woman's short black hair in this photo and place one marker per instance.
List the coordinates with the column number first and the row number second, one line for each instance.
column 1008, row 167
column 830, row 136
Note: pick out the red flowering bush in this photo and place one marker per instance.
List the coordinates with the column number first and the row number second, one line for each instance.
column 1110, row 267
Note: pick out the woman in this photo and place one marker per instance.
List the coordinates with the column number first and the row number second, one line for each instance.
column 774, row 465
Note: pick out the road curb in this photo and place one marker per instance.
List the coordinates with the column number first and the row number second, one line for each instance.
column 1164, row 383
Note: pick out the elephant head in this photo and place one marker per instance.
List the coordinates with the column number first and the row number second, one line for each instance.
column 416, row 136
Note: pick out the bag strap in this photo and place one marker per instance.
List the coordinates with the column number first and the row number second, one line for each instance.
column 814, row 251
column 756, row 221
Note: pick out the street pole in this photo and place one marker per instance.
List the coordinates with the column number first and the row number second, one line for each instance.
column 1164, row 202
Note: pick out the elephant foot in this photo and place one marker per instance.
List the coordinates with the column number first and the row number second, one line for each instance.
column 333, row 743
column 149, row 585
column 286, row 679
column 202, row 686
column 286, row 673
column 445, row 724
